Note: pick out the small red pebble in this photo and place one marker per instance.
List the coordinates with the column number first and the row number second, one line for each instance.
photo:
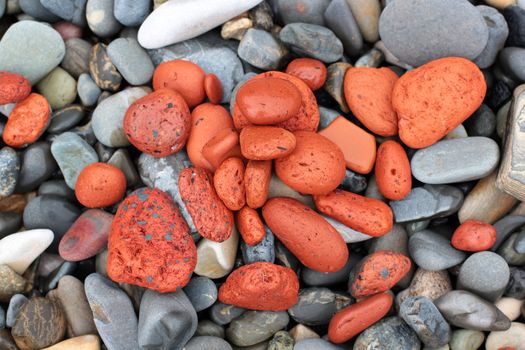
column 368, row 92
column 250, row 226
column 150, row 243
column 393, row 174
column 377, row 273
column 366, row 215
column 261, row 286
column 185, row 77
column 158, row 123
column 213, row 88
column 268, row 101
column 313, row 72
column 266, row 142
column 316, row 166
column 27, row 121
column 224, row 145
column 257, row 177
column 228, row 181
column 353, row 319
column 306, row 234
column 211, row 217
column 474, row 236
column 100, row 185
column 13, row 88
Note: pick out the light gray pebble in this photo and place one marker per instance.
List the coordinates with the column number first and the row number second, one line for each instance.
column 101, row 19
column 253, row 327
column 73, row 11
column 131, row 60
column 202, row 292
column 339, row 19
column 208, row 343
column 131, row 13
column 498, row 33
column 431, row 251
column 87, row 90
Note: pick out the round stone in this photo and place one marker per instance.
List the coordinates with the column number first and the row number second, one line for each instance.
column 515, row 17
column 66, row 118
column 59, row 88
column 262, row 50
column 433, row 252
column 214, row 259
column 131, row 60
column 100, row 18
column 202, row 292
column 309, row 11
column 223, row 314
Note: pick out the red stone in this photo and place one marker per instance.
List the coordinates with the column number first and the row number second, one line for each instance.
column 13, row 88
column 261, row 286
column 250, row 226
column 313, row 72
column 213, row 88
column 474, row 236
column 228, row 182
column 87, row 236
column 100, row 185
column 266, row 142
column 150, row 243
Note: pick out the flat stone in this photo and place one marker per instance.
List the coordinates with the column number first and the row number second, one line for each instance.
column 498, row 33
column 327, row 116
column 223, row 314
column 315, row 306
column 35, row 9
column 73, row 11
column 15, row 304
column 20, row 249
column 317, row 279
column 389, row 333
column 9, row 170
column 262, row 50
column 122, row 160
column 132, row 13
column 76, row 307
column 216, row 260
column 427, row 202
column 202, row 293
column 85, row 342
column 339, row 18
column 253, row 327
column 9, row 223
column 59, row 88
column 51, row 282
column 209, row 328
column 100, row 18
column 131, row 60
column 207, row 342
column 113, row 313
column 309, row 11
column 72, row 154
column 312, row 40
column 88, row 90
column 455, row 160
column 315, row 344
column 431, row 251
column 366, row 14
column 11, row 283
column 466, row 310
column 31, row 49
column 76, row 58
column 173, row 309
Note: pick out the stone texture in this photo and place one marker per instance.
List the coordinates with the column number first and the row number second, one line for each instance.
column 431, row 251
column 76, row 307
column 9, row 170
column 131, row 60
column 498, row 33
column 100, row 18
column 253, row 327
column 339, row 18
column 389, row 333
column 262, row 50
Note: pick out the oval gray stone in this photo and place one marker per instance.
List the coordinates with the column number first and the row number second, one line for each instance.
column 132, row 13
column 419, row 31
column 223, row 314
column 9, row 170
column 262, row 50
column 35, row 9
column 315, row 306
column 100, row 18
column 339, row 19
column 208, row 343
column 389, row 333
column 303, row 11
column 202, row 292
column 431, row 251
column 512, row 61
column 456, row 160
column 38, row 165
column 131, row 60
column 253, row 327
column 88, row 90
column 498, row 33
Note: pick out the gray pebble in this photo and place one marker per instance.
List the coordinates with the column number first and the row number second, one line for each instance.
column 312, row 40
column 208, row 343
column 431, row 251
column 354, row 182
column 339, row 19
column 38, row 165
column 281, row 340
column 515, row 17
column 100, row 18
column 223, row 314
column 34, row 8
column 327, row 116
column 519, row 243
column 73, row 11
column 263, row 251
column 505, row 226
column 10, row 222
column 395, row 240
column 122, row 160
column 131, row 60
column 304, row 11
column 262, row 50
column 65, row 119
column 315, row 306
column 209, row 328
column 76, row 58
column 317, row 279
column 88, row 90
column 512, row 61
column 507, row 251
column 482, row 122
column 9, row 171
column 253, row 327
column 58, row 188
column 389, row 333
column 15, row 304
column 132, row 13
column 498, row 33
column 315, row 344
column 516, row 286
column 202, row 292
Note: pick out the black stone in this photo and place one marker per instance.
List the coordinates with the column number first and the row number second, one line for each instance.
column 515, row 17
column 57, row 188
column 9, row 223
column 38, row 165
column 65, row 118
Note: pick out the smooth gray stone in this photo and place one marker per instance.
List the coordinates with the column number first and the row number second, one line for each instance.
column 425, row 319
column 131, row 60
column 174, row 310
column 431, row 251
column 318, row 279
column 163, row 173
column 223, row 314
column 395, row 240
column 262, row 50
column 348, row 234
column 315, row 306
column 58, row 188
column 34, row 8
column 263, row 251
column 10, row 222
column 516, row 287
column 210, row 328
column 312, row 40
column 131, row 13
column 455, row 160
column 208, row 343
column 327, row 116
column 419, row 31
column 485, row 274
column 315, row 344
column 519, row 243
column 285, row 258
column 88, row 90
column 389, row 333
column 339, row 19
column 498, row 33
column 76, row 58
column 66, row 269
column 466, row 310
column 65, row 119
column 38, row 165
column 100, row 18
column 9, row 171
column 505, row 226
column 427, row 202
column 512, row 61
column 303, row 11
column 253, row 327
column 113, row 312
column 122, row 160
column 31, row 49
column 6, row 110
column 73, row 11
column 507, row 251
column 72, row 154
column 481, row 123
column 202, row 292
column 15, row 304
column 354, row 182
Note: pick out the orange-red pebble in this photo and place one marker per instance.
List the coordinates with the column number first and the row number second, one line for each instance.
column 435, row 98
column 207, row 120
column 266, row 142
column 306, row 234
column 261, row 286
column 213, row 88
column 13, row 88
column 316, row 166
column 257, row 179
column 393, row 174
column 223, row 145
column 311, row 71
column 353, row 319
column 250, row 226
column 474, row 236
column 228, row 181
column 27, row 121
column 368, row 93
column 158, row 123
column 357, row 145
column 377, row 273
column 100, row 185
column 185, row 77
column 211, row 217
column 366, row 215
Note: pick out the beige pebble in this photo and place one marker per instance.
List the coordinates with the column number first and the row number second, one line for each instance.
column 511, row 307
column 301, row 332
column 216, row 260
column 85, row 342
column 514, row 337
column 235, row 28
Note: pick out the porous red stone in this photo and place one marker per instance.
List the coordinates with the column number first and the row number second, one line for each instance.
column 313, row 72
column 228, row 182
column 266, row 142
column 13, row 88
column 100, row 185
column 257, row 177
column 250, row 226
column 474, row 236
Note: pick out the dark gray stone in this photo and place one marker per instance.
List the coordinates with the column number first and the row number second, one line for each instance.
column 519, row 243
column 317, row 279
column 122, row 159
column 481, row 123
column 505, row 226
column 103, row 152
column 339, row 19
column 512, row 62
column 507, row 251
column 431, row 251
column 516, row 286
column 515, row 17
column 327, row 116
column 202, row 292
column 253, row 327
column 263, row 251
column 173, row 309
column 34, row 8
column 223, row 314
column 209, row 328
column 131, row 60
column 15, row 304
column 312, row 40
column 208, row 343
column 315, row 306
column 76, row 58
column 389, row 333
column 354, row 182
column 57, row 188
column 498, row 33
column 88, row 90
column 38, row 165
column 66, row 269
column 73, row 11
column 65, row 118
column 9, row 171
column 100, row 18
column 131, row 13
column 419, row 31
column 9, row 223
column 303, row 11
column 262, row 50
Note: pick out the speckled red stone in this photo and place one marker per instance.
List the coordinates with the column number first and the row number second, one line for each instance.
column 150, row 243
column 13, row 87
column 261, row 286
